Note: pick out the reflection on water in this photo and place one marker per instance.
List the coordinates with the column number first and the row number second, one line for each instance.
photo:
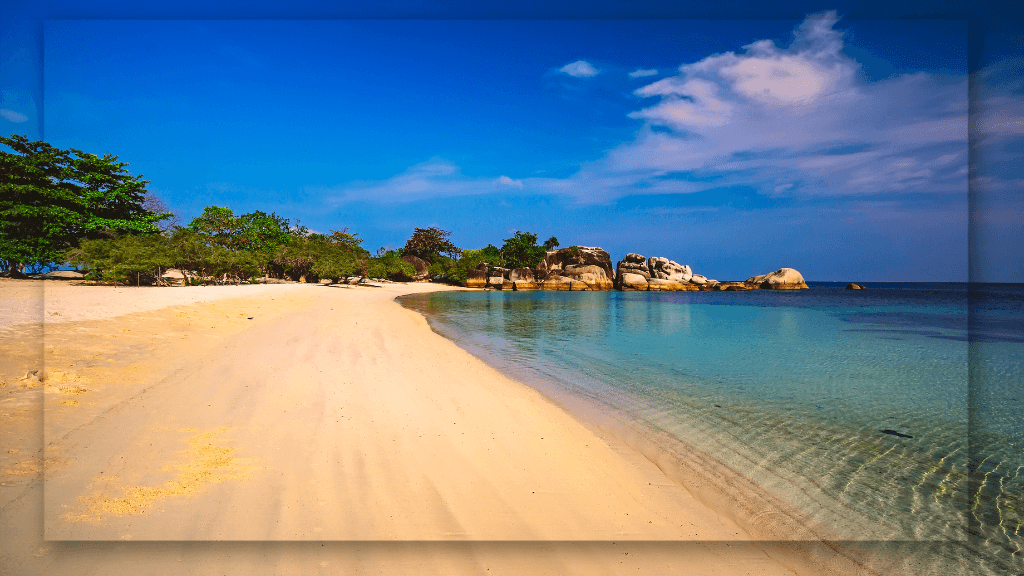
column 850, row 406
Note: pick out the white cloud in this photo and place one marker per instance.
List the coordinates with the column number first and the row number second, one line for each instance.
column 12, row 115
column 435, row 178
column 794, row 121
column 797, row 120
column 641, row 73
column 509, row 182
column 579, row 69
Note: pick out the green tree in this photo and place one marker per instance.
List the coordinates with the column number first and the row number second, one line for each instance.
column 50, row 199
column 389, row 264
column 131, row 259
column 521, row 250
column 330, row 256
column 429, row 243
column 551, row 243
column 219, row 226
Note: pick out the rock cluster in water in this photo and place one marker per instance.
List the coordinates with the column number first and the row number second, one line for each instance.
column 590, row 268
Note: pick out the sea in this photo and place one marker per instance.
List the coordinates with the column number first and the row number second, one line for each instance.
column 890, row 414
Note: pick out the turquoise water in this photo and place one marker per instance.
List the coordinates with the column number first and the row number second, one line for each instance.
column 890, row 414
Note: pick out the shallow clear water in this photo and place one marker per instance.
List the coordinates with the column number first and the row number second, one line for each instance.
column 852, row 406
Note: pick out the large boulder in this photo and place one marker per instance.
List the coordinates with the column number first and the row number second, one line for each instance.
column 556, row 282
column 556, row 260
column 476, row 278
column 632, row 265
column 781, row 279
column 666, row 269
column 698, row 279
column 594, row 277
column 630, row 281
column 852, row 286
column 422, row 267
column 522, row 279
column 664, row 285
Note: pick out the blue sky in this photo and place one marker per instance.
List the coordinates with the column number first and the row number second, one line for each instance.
column 834, row 145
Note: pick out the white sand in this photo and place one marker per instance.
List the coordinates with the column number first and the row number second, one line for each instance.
column 335, row 414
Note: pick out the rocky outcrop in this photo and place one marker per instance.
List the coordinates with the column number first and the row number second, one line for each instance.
column 657, row 274
column 422, row 267
column 522, row 279
column 665, row 269
column 781, row 279
column 476, row 278
column 631, row 281
column 852, row 286
column 575, row 268
column 580, row 268
column 498, row 278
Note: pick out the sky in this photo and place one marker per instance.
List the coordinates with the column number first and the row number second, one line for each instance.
column 823, row 140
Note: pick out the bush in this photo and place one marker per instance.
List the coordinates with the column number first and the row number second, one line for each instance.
column 389, row 264
column 139, row 258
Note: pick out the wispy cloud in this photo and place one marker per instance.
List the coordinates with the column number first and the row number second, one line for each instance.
column 792, row 121
column 13, row 116
column 641, row 73
column 435, row 178
column 509, row 182
column 579, row 69
column 796, row 121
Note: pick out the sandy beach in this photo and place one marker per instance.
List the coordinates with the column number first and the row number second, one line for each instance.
column 299, row 429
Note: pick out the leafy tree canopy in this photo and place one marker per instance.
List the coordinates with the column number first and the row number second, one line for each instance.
column 429, row 243
column 50, row 199
column 521, row 250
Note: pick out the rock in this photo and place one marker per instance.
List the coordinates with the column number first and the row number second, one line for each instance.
column 556, row 282
column 698, row 279
column 632, row 265
column 852, row 286
column 630, row 281
column 64, row 275
column 521, row 275
column 497, row 282
column 476, row 279
column 733, row 287
column 422, row 267
column 559, row 260
column 661, row 284
column 522, row 279
column 781, row 279
column 634, row 258
column 594, row 277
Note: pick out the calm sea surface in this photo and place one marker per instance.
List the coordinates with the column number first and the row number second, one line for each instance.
column 894, row 413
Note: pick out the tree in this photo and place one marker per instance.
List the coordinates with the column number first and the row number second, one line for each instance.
column 50, row 199
column 551, row 243
column 219, row 225
column 521, row 250
column 389, row 264
column 124, row 259
column 322, row 256
column 429, row 243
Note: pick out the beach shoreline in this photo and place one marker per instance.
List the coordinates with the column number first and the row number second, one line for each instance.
column 403, row 347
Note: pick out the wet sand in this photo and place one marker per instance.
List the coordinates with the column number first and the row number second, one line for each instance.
column 327, row 415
